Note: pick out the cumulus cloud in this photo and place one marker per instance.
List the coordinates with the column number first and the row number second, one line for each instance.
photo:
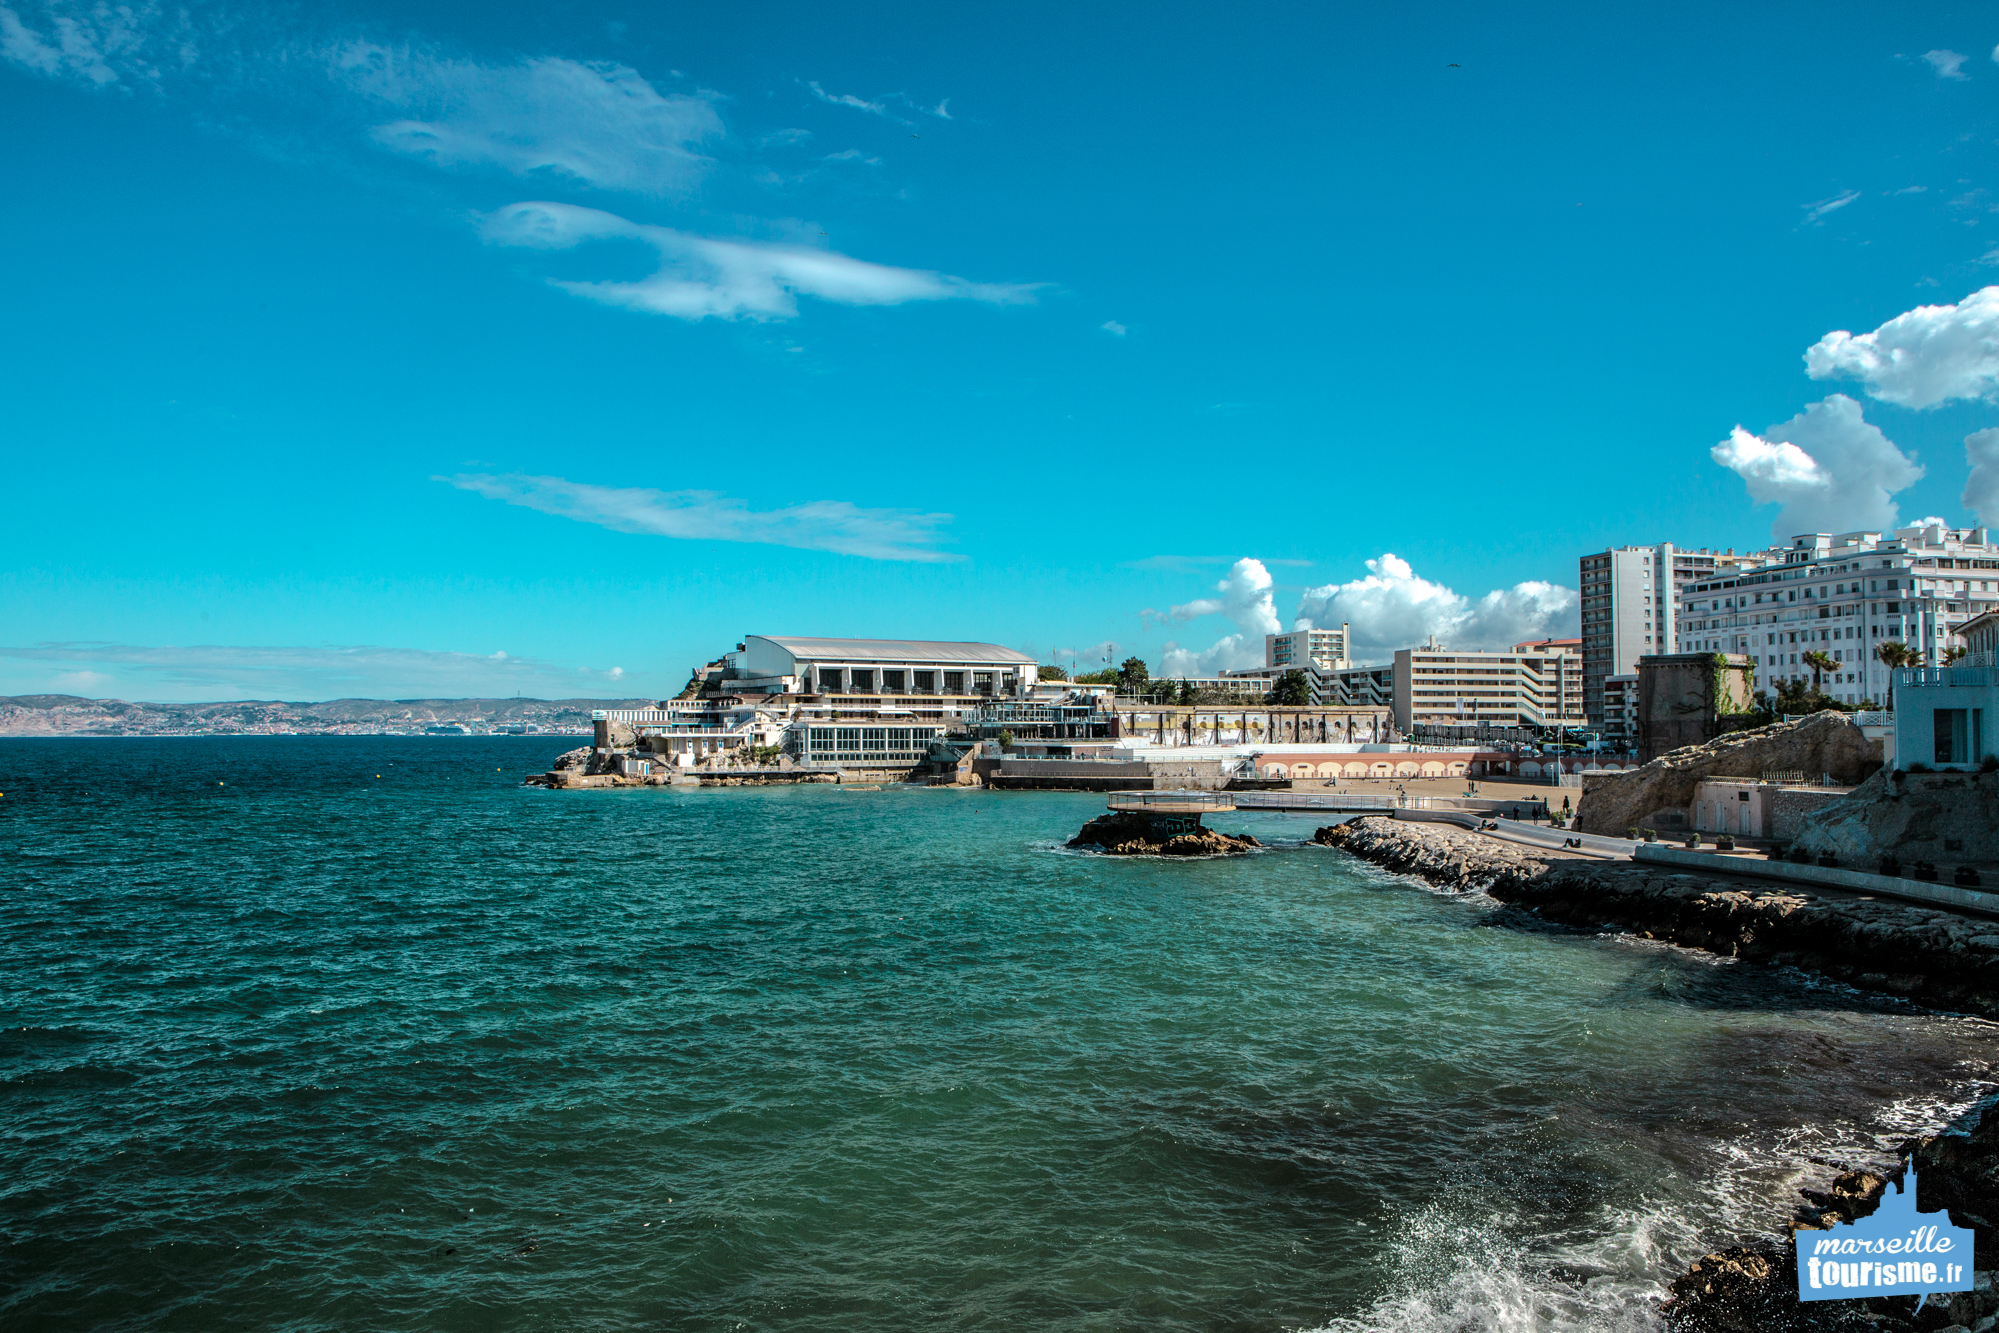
column 820, row 525
column 1246, row 599
column 1922, row 357
column 1981, row 488
column 1394, row 607
column 1947, row 64
column 594, row 122
column 699, row 277
column 227, row 671
column 1829, row 469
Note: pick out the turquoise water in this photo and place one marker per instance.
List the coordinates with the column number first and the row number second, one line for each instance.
column 321, row 1049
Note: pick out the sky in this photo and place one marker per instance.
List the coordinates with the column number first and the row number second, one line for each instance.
column 431, row 350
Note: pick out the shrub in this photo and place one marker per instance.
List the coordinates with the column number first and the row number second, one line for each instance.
column 1919, row 767
column 1989, row 764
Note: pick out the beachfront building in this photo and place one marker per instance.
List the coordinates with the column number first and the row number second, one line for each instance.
column 1945, row 715
column 1630, row 609
column 1525, row 686
column 907, row 668
column 1844, row 595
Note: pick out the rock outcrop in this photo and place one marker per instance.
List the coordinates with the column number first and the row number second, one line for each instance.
column 1943, row 818
column 1122, row 834
column 1821, row 743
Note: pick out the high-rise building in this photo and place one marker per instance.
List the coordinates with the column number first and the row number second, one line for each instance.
column 1325, row 649
column 1630, row 601
column 1843, row 595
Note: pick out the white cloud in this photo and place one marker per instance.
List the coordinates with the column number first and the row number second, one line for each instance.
column 1114, row 328
column 1981, row 488
column 1947, row 64
column 699, row 277
column 848, row 99
column 1829, row 469
column 941, row 110
column 598, row 123
column 1393, row 607
column 1921, row 357
column 1813, row 212
column 852, row 155
column 820, row 525
column 98, row 44
column 212, row 671
column 1246, row 600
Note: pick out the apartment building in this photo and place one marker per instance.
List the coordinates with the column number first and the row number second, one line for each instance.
column 1525, row 686
column 1619, row 722
column 1323, row 648
column 1630, row 608
column 1844, row 595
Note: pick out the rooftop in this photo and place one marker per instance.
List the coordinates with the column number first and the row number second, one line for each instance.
column 896, row 650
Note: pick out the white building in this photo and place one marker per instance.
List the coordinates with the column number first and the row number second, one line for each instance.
column 1530, row 685
column 919, row 668
column 1325, row 649
column 1630, row 600
column 1844, row 595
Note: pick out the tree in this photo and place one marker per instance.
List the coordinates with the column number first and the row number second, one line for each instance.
column 1006, row 740
column 1951, row 655
column 1188, row 697
column 1895, row 655
column 1819, row 661
column 1292, row 690
column 1050, row 673
column 1108, row 676
column 1132, row 676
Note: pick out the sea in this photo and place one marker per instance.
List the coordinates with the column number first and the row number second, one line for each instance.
column 304, row 1033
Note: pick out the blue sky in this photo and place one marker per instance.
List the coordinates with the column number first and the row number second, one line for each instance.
column 439, row 350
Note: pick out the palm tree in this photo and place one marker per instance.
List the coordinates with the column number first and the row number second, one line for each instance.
column 1894, row 654
column 1818, row 660
column 1951, row 655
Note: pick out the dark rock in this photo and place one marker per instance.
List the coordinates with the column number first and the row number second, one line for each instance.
column 1123, row 834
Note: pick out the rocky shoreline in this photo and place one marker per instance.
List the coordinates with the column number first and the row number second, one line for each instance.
column 1938, row 958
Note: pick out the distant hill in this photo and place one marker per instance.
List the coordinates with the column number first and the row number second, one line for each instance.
column 73, row 715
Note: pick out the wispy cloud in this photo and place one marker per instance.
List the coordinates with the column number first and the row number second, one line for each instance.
column 99, row 44
column 820, row 525
column 1947, row 64
column 699, row 277
column 1112, row 327
column 941, row 110
column 211, row 671
column 848, row 99
column 598, row 123
column 1813, row 212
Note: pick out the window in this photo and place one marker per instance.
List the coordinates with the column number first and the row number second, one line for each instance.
column 829, row 682
column 864, row 682
column 926, row 681
column 954, row 682
column 1957, row 732
column 892, row 681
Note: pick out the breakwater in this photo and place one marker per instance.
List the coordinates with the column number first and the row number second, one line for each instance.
column 1928, row 954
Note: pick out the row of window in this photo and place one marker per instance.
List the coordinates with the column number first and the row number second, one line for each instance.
column 858, row 680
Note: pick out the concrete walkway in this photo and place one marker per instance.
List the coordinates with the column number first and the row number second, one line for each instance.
column 1540, row 835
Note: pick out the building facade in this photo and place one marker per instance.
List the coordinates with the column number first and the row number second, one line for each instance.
column 921, row 668
column 1844, row 595
column 1522, row 687
column 1630, row 608
column 1325, row 649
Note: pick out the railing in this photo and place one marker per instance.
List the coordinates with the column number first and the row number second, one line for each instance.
column 1950, row 677
column 1873, row 718
column 1177, row 801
